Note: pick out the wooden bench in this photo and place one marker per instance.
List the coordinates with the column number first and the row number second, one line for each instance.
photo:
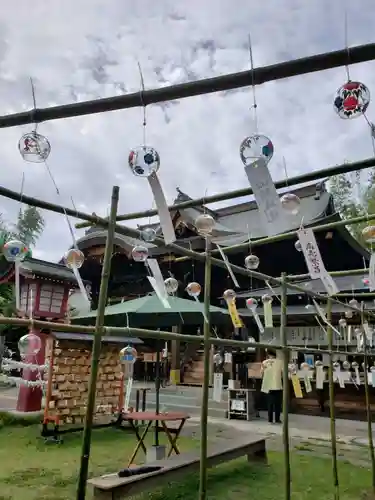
column 112, row 487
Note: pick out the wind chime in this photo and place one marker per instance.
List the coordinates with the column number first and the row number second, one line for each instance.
column 128, row 356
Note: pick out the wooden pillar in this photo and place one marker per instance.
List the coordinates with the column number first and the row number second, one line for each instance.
column 175, row 359
column 30, row 398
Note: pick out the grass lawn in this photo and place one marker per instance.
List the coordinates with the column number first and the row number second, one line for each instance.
column 30, row 469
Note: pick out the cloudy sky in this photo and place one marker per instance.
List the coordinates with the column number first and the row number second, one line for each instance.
column 76, row 51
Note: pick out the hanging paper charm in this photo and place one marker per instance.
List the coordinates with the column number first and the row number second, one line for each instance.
column 267, row 310
column 74, row 260
column 34, row 147
column 319, row 374
column 292, row 369
column 15, row 251
column 228, row 266
column 230, row 298
column 306, row 371
column 368, row 234
column 144, row 161
column 252, row 305
column 351, row 100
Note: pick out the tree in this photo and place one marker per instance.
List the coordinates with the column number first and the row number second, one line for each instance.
column 28, row 228
column 354, row 196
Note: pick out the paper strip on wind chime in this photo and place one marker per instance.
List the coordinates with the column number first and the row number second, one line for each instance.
column 296, row 384
column 255, row 152
column 227, row 264
column 144, row 161
column 230, row 298
column 319, row 374
column 267, row 310
column 314, row 260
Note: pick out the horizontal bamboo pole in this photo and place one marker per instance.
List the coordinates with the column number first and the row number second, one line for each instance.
column 239, row 193
column 289, row 235
column 337, row 274
column 130, row 332
column 159, row 241
column 257, row 76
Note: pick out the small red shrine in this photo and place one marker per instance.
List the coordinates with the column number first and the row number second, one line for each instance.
column 44, row 288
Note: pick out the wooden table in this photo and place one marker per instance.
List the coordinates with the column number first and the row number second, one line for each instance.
column 150, row 418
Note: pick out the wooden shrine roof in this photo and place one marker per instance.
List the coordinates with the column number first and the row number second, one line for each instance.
column 43, row 268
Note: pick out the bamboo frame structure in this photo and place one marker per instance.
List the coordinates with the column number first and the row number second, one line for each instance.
column 247, row 78
column 86, row 440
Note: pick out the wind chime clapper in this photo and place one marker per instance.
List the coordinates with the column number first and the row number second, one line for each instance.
column 128, row 356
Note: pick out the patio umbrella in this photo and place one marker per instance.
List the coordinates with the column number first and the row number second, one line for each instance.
column 148, row 311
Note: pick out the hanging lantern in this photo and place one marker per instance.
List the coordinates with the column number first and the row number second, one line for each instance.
column 34, row 147
column 144, row 161
column 29, row 345
column 298, row 246
column 74, row 258
column 346, row 365
column 254, row 147
column 368, row 234
column 204, row 224
column 148, row 234
column 290, row 203
column 342, row 323
column 252, row 262
column 252, row 305
column 229, row 295
column 354, row 303
column 171, row 285
column 267, row 310
column 351, row 100
column 218, row 359
column 139, row 253
column 194, row 289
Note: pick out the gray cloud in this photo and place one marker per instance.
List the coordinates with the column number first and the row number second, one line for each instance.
column 88, row 49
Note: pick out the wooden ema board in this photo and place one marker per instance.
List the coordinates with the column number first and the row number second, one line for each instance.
column 70, row 378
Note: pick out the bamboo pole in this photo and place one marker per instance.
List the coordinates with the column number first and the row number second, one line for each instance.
column 206, row 373
column 334, row 274
column 239, row 193
column 86, row 440
column 302, row 66
column 284, row 342
column 173, row 247
column 332, row 405
column 368, row 405
column 157, row 334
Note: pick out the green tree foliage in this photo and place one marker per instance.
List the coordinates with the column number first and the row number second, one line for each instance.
column 354, row 196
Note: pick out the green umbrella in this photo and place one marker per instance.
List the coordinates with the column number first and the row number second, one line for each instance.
column 149, row 312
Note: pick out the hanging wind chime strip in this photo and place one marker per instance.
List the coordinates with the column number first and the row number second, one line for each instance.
column 157, row 282
column 226, row 262
column 269, row 206
column 17, row 265
column 314, row 260
column 218, row 387
column 162, row 208
column 371, row 272
column 319, row 376
column 296, row 386
column 322, row 315
column 234, row 316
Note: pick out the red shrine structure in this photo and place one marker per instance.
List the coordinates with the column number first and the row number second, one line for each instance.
column 45, row 289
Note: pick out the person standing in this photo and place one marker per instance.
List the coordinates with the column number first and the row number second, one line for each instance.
column 272, row 385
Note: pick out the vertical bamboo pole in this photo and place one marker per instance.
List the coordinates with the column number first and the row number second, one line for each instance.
column 96, row 347
column 284, row 342
column 206, row 371
column 332, row 403
column 367, row 399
